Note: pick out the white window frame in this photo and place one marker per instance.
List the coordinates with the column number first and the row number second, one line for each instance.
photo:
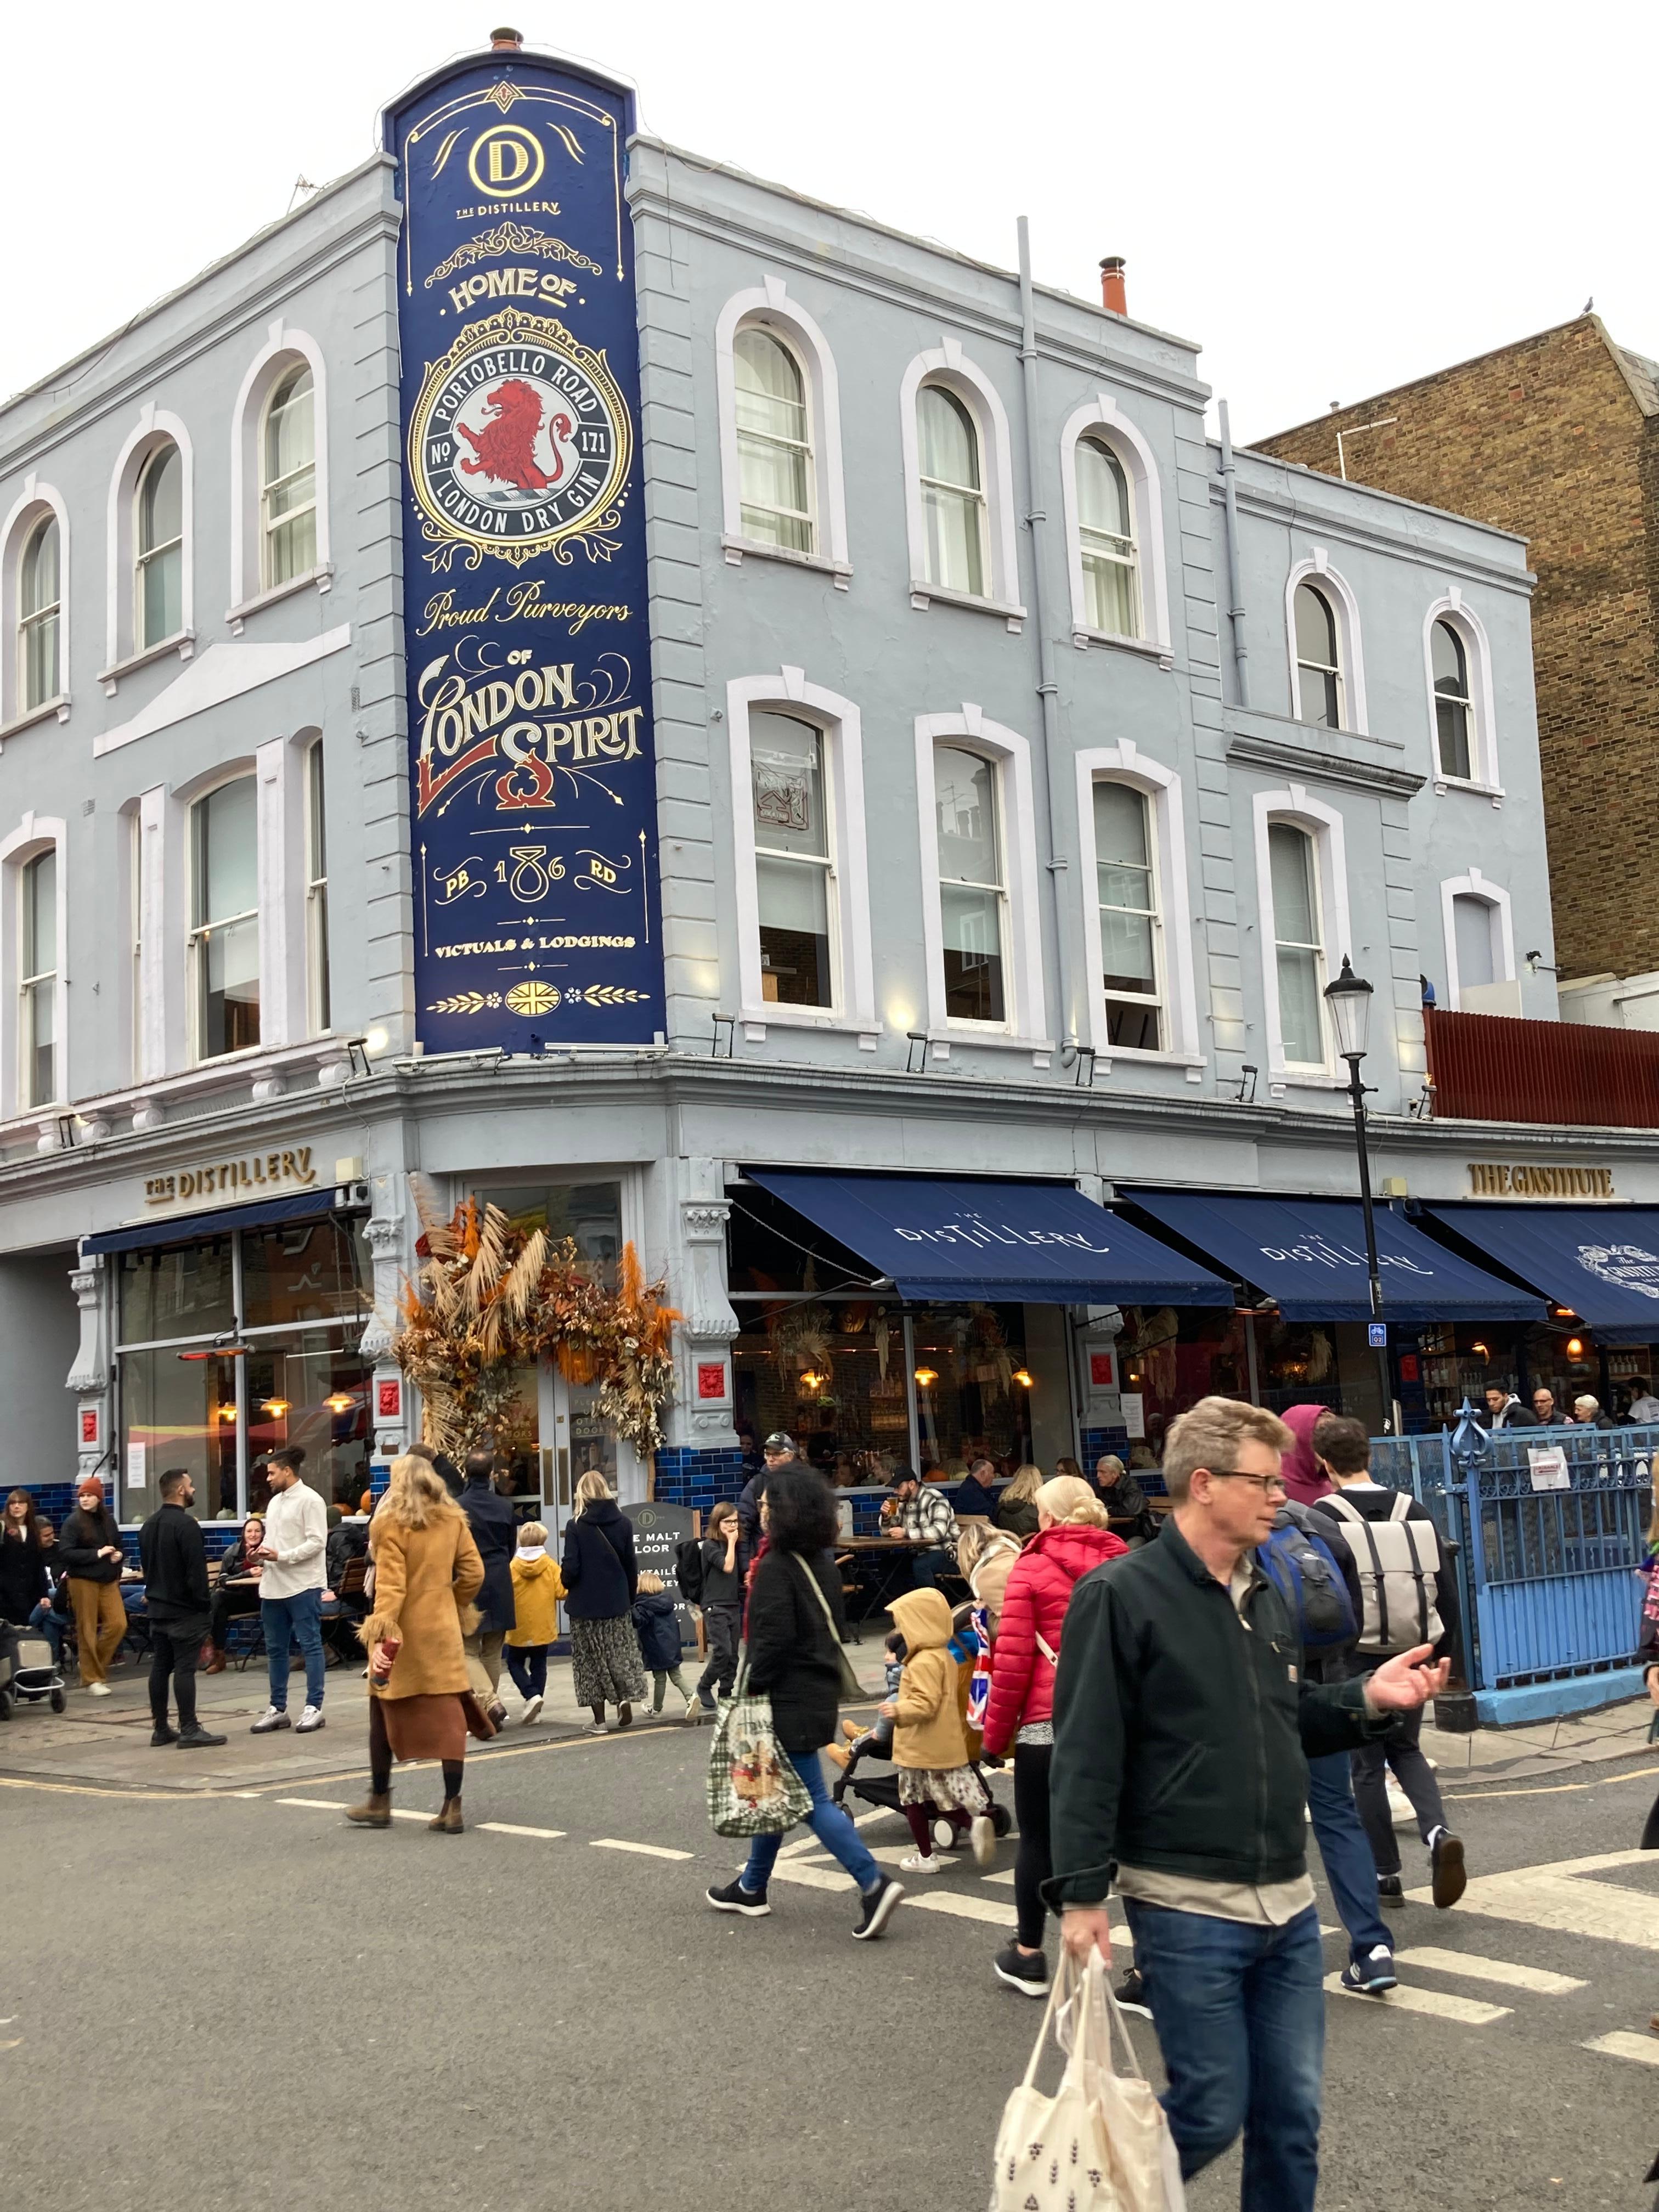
column 284, row 348
column 34, row 834
column 948, row 365
column 1318, row 569
column 1454, row 609
column 154, row 427
column 31, row 981
column 769, row 308
column 1161, row 787
column 31, row 508
column 152, row 879
column 1474, row 885
column 1103, row 418
column 1026, row 1004
column 319, row 980
column 854, row 1005
column 1295, row 806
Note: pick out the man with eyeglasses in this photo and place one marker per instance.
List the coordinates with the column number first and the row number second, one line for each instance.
column 1183, row 1729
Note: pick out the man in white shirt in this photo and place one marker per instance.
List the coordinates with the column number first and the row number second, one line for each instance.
column 1644, row 1406
column 291, row 1590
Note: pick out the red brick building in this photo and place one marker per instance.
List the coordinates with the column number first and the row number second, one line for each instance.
column 1556, row 437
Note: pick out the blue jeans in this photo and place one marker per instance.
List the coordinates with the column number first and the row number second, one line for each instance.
column 1346, row 1851
column 45, row 1622
column 299, row 1617
column 925, row 1565
column 1240, row 2014
column 528, row 1664
column 833, row 1828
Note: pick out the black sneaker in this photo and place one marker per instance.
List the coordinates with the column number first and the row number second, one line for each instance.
column 879, row 1905
column 1024, row 1970
column 197, row 1739
column 734, row 1897
column 1390, row 1890
column 1446, row 1858
column 1130, row 1994
column 158, row 1737
column 1371, row 1973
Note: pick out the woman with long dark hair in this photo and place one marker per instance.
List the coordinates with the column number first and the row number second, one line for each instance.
column 795, row 1627
column 23, row 1578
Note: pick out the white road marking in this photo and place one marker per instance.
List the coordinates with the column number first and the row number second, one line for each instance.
column 1621, row 2043
column 812, row 1877
column 313, row 1804
column 646, row 1851
column 1469, row 2010
column 1007, row 1877
column 1545, row 1897
column 1489, row 1970
column 963, row 1906
column 511, row 1828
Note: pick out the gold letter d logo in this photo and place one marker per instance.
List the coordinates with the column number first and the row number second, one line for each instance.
column 506, row 161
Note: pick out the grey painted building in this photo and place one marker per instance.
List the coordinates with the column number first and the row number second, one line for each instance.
column 998, row 837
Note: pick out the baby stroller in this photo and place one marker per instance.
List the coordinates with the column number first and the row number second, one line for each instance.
column 27, row 1671
column 882, row 1789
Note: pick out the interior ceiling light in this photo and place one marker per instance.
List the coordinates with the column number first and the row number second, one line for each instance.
column 1023, row 1376
column 1575, row 1347
column 926, row 1377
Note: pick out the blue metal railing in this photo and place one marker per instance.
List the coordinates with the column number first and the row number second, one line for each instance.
column 1546, row 1575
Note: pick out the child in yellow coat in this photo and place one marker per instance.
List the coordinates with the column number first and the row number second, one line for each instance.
column 538, row 1586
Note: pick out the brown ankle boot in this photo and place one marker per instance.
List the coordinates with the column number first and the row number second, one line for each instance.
column 374, row 1812
column 448, row 1822
column 217, row 1665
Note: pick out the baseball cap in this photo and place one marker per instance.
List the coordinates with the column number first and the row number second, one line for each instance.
column 779, row 1442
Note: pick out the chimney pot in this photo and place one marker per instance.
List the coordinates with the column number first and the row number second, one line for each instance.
column 506, row 40
column 1113, row 296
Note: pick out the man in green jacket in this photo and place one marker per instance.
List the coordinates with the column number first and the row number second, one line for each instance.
column 1182, row 1731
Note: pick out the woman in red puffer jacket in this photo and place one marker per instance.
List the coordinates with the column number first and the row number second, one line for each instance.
column 1071, row 1538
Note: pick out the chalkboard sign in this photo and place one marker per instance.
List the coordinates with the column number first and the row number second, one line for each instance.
column 658, row 1532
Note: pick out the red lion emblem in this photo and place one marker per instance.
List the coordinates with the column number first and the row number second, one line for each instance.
column 506, row 446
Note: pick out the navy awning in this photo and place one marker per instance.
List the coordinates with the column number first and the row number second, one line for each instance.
column 1602, row 1262
column 1042, row 1243
column 1309, row 1256
column 188, row 1228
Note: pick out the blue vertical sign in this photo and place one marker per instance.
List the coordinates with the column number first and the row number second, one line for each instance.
column 531, row 765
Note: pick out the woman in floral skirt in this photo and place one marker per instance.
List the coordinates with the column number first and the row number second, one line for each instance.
column 601, row 1582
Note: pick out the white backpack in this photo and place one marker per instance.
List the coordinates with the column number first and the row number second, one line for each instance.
column 1398, row 1580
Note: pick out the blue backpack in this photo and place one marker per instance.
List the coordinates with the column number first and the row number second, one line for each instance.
column 1302, row 1568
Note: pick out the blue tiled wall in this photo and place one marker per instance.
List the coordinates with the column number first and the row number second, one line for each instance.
column 1094, row 1442
column 56, row 1501
column 686, row 1476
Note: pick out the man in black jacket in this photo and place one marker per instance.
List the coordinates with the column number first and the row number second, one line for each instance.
column 1183, row 1729
column 178, row 1600
column 778, row 1450
column 494, row 1528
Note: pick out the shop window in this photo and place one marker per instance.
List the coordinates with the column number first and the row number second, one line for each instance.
column 39, row 614
column 305, row 1270
column 158, row 563
column 775, row 448
column 288, row 480
column 177, row 1291
column 588, row 1213
column 1130, row 948
column 1298, row 949
column 793, row 860
column 972, row 885
column 973, row 1387
column 311, row 1390
column 179, row 1412
column 1106, row 534
column 37, row 1027
column 317, row 970
column 1318, row 659
column 224, row 939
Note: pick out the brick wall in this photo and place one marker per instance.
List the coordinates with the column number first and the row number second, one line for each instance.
column 1546, row 437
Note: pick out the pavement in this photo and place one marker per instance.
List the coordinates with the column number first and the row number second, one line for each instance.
column 214, row 1991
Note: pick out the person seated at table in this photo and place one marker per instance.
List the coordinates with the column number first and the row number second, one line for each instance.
column 919, row 1514
column 237, row 1590
column 1018, row 1511
column 1125, row 1501
column 975, row 1495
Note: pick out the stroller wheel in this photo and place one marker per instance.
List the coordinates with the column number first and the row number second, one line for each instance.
column 60, row 1701
column 1001, row 1819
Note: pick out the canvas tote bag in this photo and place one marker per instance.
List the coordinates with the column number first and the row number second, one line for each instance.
column 753, row 1789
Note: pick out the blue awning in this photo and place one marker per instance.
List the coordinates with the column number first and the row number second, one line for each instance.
column 1602, row 1262
column 1039, row 1241
column 190, row 1228
column 1309, row 1256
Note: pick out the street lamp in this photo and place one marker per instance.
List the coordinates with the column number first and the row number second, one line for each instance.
column 1350, row 1001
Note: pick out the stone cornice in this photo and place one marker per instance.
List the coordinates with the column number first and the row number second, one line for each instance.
column 1322, row 766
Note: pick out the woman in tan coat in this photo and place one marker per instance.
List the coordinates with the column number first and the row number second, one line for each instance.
column 427, row 1572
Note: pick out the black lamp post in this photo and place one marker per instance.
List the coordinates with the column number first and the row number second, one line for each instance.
column 1350, row 1001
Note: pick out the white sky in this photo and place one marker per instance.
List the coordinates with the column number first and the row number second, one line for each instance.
column 1329, row 198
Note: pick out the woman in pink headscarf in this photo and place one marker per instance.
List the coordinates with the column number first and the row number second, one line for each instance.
column 1304, row 1480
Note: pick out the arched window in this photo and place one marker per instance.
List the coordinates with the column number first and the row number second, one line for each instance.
column 39, row 610
column 288, row 480
column 1127, row 887
column 1318, row 659
column 1453, row 705
column 37, row 981
column 159, row 562
column 952, row 492
column 1474, row 939
column 972, row 885
column 224, row 912
column 1106, row 532
column 774, row 442
column 793, row 860
column 1298, row 944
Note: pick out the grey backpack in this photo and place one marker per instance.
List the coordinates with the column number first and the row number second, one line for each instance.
column 1399, row 1564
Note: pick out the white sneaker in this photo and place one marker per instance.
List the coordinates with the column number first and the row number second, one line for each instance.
column 982, row 1837
column 916, row 1864
column 532, row 1711
column 311, row 1718
column 693, row 1711
column 597, row 1727
column 98, row 1689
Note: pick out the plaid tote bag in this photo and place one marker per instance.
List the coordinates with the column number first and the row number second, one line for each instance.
column 753, row 1790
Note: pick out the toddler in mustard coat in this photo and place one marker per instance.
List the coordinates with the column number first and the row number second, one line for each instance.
column 538, row 1586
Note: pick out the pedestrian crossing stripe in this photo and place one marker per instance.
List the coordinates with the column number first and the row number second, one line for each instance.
column 1478, row 1969
column 511, row 1828
column 1621, row 2043
column 646, row 1851
column 1471, row 2012
column 1550, row 1897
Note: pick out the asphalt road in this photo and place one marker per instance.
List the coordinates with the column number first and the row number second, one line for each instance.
column 240, row 2001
